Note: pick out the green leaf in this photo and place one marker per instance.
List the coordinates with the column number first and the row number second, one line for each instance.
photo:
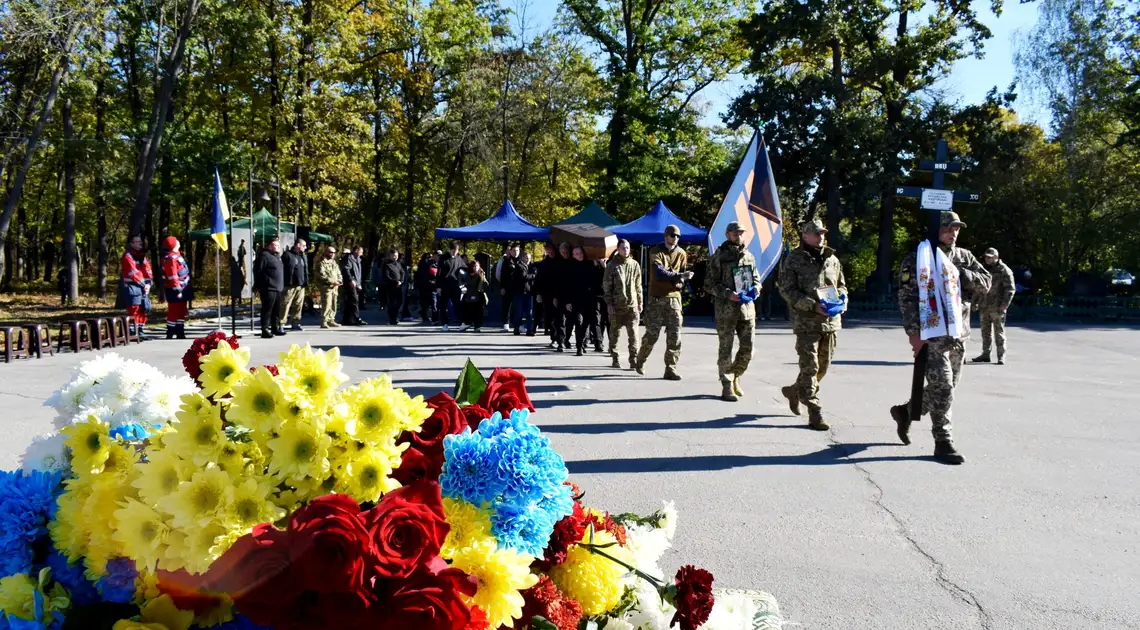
column 538, row 622
column 238, row 433
column 470, row 385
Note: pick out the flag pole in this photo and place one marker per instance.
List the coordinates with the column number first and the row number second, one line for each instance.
column 218, row 269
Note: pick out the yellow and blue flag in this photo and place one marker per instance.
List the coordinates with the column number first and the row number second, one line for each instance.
column 220, row 215
column 752, row 202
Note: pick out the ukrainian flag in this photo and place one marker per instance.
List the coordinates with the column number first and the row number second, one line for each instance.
column 220, row 215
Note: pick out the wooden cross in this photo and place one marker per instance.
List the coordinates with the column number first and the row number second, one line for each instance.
column 935, row 200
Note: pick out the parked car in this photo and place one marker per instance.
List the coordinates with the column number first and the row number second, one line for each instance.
column 1119, row 281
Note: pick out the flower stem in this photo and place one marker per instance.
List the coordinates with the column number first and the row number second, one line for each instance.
column 596, row 549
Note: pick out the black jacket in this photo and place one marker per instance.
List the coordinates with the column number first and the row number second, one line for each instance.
column 296, row 269
column 393, row 272
column 350, row 269
column 543, row 283
column 578, row 280
column 513, row 276
column 268, row 273
column 449, row 271
column 425, row 279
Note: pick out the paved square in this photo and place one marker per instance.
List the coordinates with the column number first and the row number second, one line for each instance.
column 848, row 529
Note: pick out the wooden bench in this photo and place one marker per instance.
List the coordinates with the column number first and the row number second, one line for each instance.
column 80, row 335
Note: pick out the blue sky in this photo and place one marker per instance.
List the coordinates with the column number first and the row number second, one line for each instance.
column 969, row 80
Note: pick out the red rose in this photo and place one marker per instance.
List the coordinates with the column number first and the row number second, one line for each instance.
column 506, row 391
column 407, row 528
column 446, row 418
column 257, row 572
column 416, row 466
column 191, row 360
column 474, row 415
column 431, row 598
column 329, row 545
column 694, row 599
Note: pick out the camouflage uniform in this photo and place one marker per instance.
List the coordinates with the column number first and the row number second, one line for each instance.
column 328, row 275
column 944, row 354
column 992, row 306
column 621, row 289
column 733, row 319
column 663, row 308
column 805, row 273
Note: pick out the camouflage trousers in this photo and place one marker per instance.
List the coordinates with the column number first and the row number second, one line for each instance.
column 944, row 357
column 328, row 305
column 662, row 312
column 815, row 350
column 993, row 329
column 732, row 325
column 625, row 320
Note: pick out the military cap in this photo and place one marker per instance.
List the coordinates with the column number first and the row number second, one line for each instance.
column 950, row 219
column 815, row 226
column 992, row 252
column 672, row 229
column 733, row 227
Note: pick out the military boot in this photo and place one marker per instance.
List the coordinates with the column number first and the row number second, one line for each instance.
column 671, row 375
column 616, row 363
column 639, row 368
column 981, row 358
column 815, row 419
column 736, row 385
column 726, row 393
column 902, row 420
column 789, row 392
column 945, row 452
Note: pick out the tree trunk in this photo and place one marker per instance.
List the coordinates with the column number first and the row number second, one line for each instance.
column 70, row 252
column 152, row 143
column 97, row 184
column 894, row 107
column 835, row 140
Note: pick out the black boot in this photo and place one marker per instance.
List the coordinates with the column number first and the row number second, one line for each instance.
column 902, row 419
column 945, row 452
column 580, row 353
column 981, row 358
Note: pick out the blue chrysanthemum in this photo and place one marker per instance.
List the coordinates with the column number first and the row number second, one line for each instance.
column 470, row 469
column 558, row 504
column 497, row 425
column 27, row 503
column 72, row 577
column 526, row 529
column 118, row 585
column 131, row 432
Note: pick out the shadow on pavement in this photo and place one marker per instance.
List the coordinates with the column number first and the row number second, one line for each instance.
column 581, row 402
column 598, row 428
column 835, row 454
column 873, row 363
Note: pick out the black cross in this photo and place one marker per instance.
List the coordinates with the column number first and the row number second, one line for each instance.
column 935, row 200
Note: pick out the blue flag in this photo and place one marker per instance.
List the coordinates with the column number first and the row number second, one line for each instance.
column 753, row 202
column 220, row 215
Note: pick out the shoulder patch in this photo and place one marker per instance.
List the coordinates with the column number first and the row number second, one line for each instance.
column 906, row 276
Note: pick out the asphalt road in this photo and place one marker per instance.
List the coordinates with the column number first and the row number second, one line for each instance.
column 848, row 529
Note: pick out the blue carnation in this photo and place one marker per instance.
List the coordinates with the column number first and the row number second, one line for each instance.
column 72, row 578
column 526, row 529
column 470, row 469
column 118, row 585
column 27, row 503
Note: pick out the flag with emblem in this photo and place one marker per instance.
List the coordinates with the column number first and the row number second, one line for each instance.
column 220, row 214
column 752, row 202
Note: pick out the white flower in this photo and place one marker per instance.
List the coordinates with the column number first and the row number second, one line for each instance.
column 731, row 612
column 669, row 523
column 158, row 401
column 646, row 545
column 618, row 624
column 650, row 613
column 46, row 453
column 100, row 366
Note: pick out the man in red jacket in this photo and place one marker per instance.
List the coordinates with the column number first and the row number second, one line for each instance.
column 176, row 280
column 136, row 279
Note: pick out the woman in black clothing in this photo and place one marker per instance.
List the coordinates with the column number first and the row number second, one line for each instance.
column 580, row 298
column 475, row 298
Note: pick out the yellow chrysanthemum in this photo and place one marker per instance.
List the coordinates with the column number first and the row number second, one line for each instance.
column 127, row 624
column 163, row 611
column 146, row 586
column 97, row 520
column 591, row 579
column 160, row 476
column 89, row 442
column 66, row 533
column 368, row 475
column 17, row 596
column 501, row 573
column 196, row 437
column 141, row 531
column 231, row 459
column 310, row 488
column 255, row 401
column 316, row 373
column 173, row 557
column 375, row 411
column 470, row 525
column 222, row 369
column 199, row 501
column 251, row 505
column 202, row 546
column 299, row 451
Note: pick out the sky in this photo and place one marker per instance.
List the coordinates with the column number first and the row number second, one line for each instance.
column 969, row 80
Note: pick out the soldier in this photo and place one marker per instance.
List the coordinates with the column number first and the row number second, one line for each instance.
column 621, row 288
column 944, row 353
column 807, row 271
column 993, row 306
column 329, row 281
column 667, row 277
column 733, row 282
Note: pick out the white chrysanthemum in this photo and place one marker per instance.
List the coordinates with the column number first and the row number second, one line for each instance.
column 100, row 366
column 731, row 612
column 115, row 390
column 46, row 453
column 647, row 544
column 102, row 412
column 669, row 523
column 650, row 613
column 158, row 401
column 618, row 624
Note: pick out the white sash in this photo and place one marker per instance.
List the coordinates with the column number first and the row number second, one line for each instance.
column 939, row 292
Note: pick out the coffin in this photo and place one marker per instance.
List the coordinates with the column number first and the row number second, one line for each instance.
column 598, row 242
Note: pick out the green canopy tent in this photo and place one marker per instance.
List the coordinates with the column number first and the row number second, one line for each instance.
column 264, row 226
column 594, row 214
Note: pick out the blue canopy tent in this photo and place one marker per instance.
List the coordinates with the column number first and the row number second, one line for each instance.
column 651, row 227
column 506, row 225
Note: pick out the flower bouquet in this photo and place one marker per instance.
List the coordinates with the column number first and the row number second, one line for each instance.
column 275, row 497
